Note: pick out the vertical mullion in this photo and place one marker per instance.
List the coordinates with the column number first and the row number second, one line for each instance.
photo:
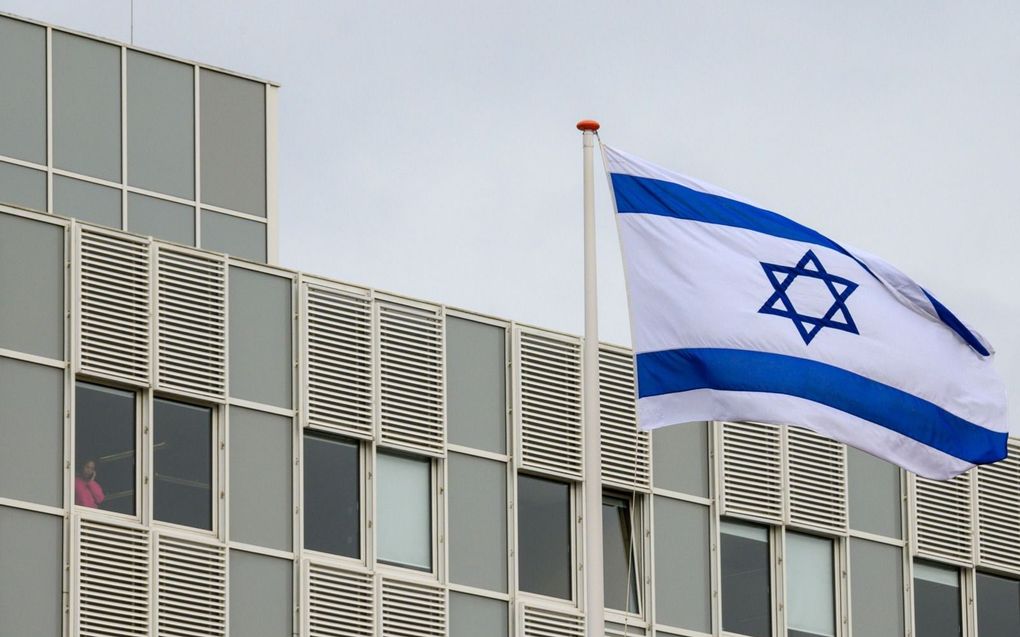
column 49, row 120
column 198, row 156
column 123, row 140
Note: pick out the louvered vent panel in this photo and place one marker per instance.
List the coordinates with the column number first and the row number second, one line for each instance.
column 998, row 487
column 550, row 414
column 944, row 517
column 625, row 449
column 752, row 478
column 113, row 316
column 191, row 323
column 338, row 361
column 113, row 580
column 411, row 378
column 817, row 475
column 542, row 622
column 412, row 609
column 340, row 603
column 191, row 588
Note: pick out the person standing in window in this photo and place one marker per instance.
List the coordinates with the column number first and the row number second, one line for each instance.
column 87, row 492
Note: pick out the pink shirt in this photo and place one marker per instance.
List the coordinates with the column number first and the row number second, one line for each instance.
column 88, row 493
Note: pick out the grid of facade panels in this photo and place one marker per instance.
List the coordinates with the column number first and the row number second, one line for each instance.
column 133, row 140
column 188, row 436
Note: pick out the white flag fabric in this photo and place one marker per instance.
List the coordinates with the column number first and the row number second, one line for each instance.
column 739, row 313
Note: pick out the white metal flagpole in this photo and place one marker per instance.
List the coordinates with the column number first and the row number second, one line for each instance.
column 594, row 589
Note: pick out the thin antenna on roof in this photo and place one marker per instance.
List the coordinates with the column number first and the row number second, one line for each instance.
column 132, row 21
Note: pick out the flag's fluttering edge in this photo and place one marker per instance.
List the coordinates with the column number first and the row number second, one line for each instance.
column 738, row 313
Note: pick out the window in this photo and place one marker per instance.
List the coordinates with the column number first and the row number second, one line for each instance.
column 683, row 581
column 404, row 516
column 476, row 384
column 937, row 601
column 477, row 510
column 545, row 562
column 182, row 462
column 874, row 494
column 620, row 563
column 810, row 586
column 876, row 587
column 746, row 579
column 998, row 606
column 332, row 508
column 104, row 445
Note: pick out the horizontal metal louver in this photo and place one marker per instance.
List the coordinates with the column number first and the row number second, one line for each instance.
column 944, row 518
column 550, row 417
column 411, row 396
column 543, row 622
column 191, row 323
column 619, row 630
column 338, row 361
column 998, row 493
column 340, row 603
column 412, row 609
column 191, row 588
column 817, row 480
column 113, row 305
column 112, row 590
column 752, row 473
column 626, row 450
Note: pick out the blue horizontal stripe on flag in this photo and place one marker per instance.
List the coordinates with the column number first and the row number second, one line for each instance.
column 680, row 370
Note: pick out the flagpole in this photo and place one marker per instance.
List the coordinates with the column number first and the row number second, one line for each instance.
column 594, row 589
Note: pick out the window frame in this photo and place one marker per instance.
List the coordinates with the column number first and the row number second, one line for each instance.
column 966, row 589
column 363, row 475
column 435, row 527
column 774, row 535
column 839, row 594
column 575, row 499
column 639, row 547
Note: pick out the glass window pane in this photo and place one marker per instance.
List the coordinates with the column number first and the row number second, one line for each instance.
column 261, row 595
column 545, row 563
column 31, row 569
column 682, row 568
column 875, row 502
column 87, row 201
column 876, row 587
column 473, row 616
column 476, row 384
column 23, row 98
column 233, row 144
column 161, row 125
column 680, row 458
column 810, row 586
column 86, row 106
column 477, row 524
column 233, row 235
column 332, row 509
column 32, row 286
column 22, row 187
column 261, row 328
column 998, row 606
column 619, row 554
column 104, row 448
column 261, row 478
column 32, row 432
column 746, row 579
column 182, row 459
column 160, row 218
column 404, row 518
column 937, row 601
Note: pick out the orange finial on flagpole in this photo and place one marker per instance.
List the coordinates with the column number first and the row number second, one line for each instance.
column 588, row 125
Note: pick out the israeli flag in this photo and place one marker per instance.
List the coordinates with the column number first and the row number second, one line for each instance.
column 738, row 313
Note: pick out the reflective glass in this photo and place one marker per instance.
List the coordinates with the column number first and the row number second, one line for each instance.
column 87, row 201
column 31, row 573
column 876, row 588
column 182, row 462
column 233, row 235
column 545, row 563
column 32, row 286
column 874, row 494
column 476, row 384
column 22, row 187
column 31, row 432
column 161, row 219
column 261, row 463
column 937, row 600
column 404, row 516
column 810, row 586
column 332, row 508
column 683, row 581
column 477, row 522
column 233, row 123
column 998, row 606
column 474, row 616
column 680, row 458
column 104, row 448
column 746, row 579
column 23, row 98
column 619, row 554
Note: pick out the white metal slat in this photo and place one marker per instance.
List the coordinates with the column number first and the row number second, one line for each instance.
column 817, row 474
column 191, row 588
column 626, row 450
column 112, row 588
column 944, row 518
column 340, row 603
column 412, row 609
column 998, row 500
column 537, row 621
column 752, row 475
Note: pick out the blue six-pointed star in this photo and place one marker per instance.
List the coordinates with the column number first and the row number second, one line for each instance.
column 782, row 276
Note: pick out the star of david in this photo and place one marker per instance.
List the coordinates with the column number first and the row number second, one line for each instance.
column 779, row 304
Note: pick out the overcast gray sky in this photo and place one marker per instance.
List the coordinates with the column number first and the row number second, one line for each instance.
column 428, row 148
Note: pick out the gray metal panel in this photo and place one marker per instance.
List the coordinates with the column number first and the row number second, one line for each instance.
column 476, row 384
column 22, row 187
column 31, row 286
column 874, row 498
column 478, row 510
column 682, row 564
column 261, row 478
column 32, row 430
column 998, row 606
column 86, row 106
column 261, row 595
column 876, row 587
column 233, row 235
column 233, row 116
column 471, row 616
column 680, row 458
column 161, row 219
column 160, row 125
column 23, row 98
column 86, row 201
column 31, row 564
column 261, row 360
